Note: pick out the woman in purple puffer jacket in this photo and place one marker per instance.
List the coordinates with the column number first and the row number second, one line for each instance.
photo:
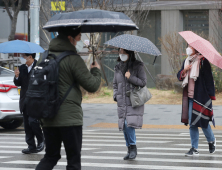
column 129, row 73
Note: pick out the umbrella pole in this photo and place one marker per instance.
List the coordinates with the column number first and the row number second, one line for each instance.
column 146, row 68
column 17, row 62
column 93, row 50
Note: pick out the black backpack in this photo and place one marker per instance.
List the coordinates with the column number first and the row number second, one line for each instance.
column 42, row 97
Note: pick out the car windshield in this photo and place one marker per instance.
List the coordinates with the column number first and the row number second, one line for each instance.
column 5, row 72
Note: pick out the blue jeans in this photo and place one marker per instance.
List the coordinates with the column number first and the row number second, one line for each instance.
column 194, row 132
column 129, row 134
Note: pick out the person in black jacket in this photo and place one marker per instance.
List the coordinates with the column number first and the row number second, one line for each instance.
column 31, row 125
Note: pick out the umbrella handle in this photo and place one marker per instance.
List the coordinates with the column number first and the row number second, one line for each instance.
column 154, row 60
column 93, row 55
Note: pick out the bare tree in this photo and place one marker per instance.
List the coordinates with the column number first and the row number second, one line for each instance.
column 137, row 10
column 173, row 45
column 13, row 15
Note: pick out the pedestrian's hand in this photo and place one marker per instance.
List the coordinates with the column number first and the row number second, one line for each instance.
column 16, row 73
column 95, row 65
column 187, row 68
column 127, row 74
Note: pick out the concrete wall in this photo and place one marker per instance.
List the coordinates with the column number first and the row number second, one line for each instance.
column 171, row 21
column 215, row 33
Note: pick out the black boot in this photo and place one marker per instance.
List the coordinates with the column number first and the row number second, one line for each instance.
column 133, row 152
column 127, row 155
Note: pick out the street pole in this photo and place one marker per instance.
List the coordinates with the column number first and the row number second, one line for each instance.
column 34, row 23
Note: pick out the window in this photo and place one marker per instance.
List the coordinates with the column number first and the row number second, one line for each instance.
column 197, row 21
column 151, row 29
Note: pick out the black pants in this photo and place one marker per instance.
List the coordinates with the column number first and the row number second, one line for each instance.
column 32, row 129
column 71, row 137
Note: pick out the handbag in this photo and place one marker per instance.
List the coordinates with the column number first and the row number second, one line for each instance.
column 139, row 96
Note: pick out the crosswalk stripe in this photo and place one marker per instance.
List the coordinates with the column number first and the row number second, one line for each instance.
column 138, row 137
column 93, row 140
column 18, row 152
column 9, row 134
column 129, row 166
column 12, row 138
column 176, row 149
column 22, row 147
column 145, row 134
column 2, row 157
column 6, row 168
column 139, row 141
column 198, row 145
column 155, row 159
column 86, row 144
column 120, row 134
column 158, row 153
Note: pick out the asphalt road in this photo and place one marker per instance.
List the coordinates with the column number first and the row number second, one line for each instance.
column 153, row 114
column 103, row 149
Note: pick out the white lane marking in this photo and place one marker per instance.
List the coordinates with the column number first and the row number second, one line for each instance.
column 12, row 138
column 198, row 145
column 120, row 134
column 19, row 152
column 19, row 143
column 85, row 144
column 8, row 134
column 138, row 137
column 154, row 159
column 128, row 166
column 157, row 153
column 189, row 133
column 140, row 141
column 2, row 157
column 5, row 168
column 143, row 134
column 22, row 147
column 101, row 144
column 93, row 140
column 175, row 149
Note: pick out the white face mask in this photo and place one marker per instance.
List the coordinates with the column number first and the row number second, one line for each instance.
column 22, row 60
column 123, row 57
column 79, row 46
column 189, row 51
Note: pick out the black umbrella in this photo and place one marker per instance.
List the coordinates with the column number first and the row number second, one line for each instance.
column 92, row 20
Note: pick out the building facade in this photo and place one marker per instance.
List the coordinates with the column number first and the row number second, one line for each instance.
column 167, row 17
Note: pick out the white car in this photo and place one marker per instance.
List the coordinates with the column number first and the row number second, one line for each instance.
column 10, row 116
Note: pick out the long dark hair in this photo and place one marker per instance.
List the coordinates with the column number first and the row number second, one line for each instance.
column 131, row 55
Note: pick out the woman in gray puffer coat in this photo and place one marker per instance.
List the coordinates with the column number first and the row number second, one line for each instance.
column 129, row 73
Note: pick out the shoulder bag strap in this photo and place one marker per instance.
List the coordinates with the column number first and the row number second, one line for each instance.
column 58, row 59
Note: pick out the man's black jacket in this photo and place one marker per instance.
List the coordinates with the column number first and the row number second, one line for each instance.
column 23, row 81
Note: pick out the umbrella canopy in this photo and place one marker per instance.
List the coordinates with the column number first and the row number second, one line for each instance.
column 92, row 20
column 18, row 46
column 134, row 43
column 203, row 46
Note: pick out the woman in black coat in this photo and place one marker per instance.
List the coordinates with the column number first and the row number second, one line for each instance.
column 198, row 93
